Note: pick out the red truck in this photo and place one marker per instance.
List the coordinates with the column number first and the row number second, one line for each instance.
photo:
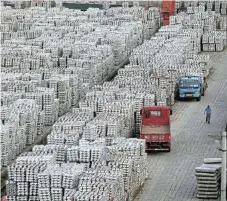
column 155, row 128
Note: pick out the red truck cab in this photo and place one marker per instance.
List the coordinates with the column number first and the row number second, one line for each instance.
column 155, row 128
column 167, row 10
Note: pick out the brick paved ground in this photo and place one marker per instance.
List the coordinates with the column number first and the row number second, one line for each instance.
column 171, row 175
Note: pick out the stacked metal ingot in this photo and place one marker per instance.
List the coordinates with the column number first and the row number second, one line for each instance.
column 210, row 26
column 54, row 55
column 56, row 180
column 5, row 146
column 50, row 105
column 21, row 124
column 63, row 92
column 208, row 179
column 39, row 175
column 214, row 41
column 53, row 178
column 219, row 7
column 69, row 128
column 107, row 125
column 23, row 176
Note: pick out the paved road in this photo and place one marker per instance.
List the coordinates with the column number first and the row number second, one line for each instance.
column 171, row 175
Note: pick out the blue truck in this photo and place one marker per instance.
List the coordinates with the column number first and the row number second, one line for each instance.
column 191, row 87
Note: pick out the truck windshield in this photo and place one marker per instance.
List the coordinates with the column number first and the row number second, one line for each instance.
column 189, row 83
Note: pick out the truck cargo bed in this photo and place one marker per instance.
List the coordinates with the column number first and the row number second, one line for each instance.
column 155, row 129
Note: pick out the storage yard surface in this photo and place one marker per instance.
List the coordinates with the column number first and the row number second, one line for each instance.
column 171, row 176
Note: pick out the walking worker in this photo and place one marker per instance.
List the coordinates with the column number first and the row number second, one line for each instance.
column 208, row 114
column 205, row 83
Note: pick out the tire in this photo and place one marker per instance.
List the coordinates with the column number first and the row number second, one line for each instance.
column 198, row 99
column 169, row 147
column 171, row 111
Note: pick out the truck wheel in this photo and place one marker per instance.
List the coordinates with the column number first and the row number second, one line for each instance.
column 169, row 148
column 198, row 99
column 171, row 111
